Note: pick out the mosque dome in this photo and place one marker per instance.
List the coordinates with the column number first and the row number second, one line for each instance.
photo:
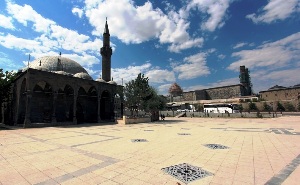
column 63, row 73
column 83, row 76
column 175, row 90
column 112, row 82
column 100, row 80
column 58, row 63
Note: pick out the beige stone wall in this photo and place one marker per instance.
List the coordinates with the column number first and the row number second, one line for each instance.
column 283, row 94
column 224, row 92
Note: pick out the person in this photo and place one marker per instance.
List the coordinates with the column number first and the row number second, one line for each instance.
column 163, row 117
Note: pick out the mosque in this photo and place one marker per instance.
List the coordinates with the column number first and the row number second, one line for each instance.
column 54, row 90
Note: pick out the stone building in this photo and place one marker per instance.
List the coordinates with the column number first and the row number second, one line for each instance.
column 280, row 93
column 54, row 90
column 244, row 88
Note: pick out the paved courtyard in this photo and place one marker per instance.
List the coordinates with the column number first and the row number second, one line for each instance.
column 175, row 151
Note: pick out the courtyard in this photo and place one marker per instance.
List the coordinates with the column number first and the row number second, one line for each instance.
column 175, row 151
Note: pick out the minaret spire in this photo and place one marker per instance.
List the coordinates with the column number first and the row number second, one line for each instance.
column 106, row 53
column 106, row 30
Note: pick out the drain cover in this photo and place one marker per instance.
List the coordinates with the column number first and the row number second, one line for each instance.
column 185, row 129
column 148, row 130
column 138, row 140
column 184, row 134
column 186, row 172
column 216, row 146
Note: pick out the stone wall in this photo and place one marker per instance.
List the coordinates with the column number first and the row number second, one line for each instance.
column 281, row 94
column 223, row 92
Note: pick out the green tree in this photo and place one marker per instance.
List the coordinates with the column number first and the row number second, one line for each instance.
column 156, row 102
column 6, row 79
column 138, row 93
column 267, row 107
column 252, row 106
column 290, row 107
column 241, row 108
column 280, row 107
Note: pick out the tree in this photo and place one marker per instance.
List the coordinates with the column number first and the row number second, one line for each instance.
column 252, row 106
column 6, row 79
column 289, row 106
column 156, row 102
column 267, row 107
column 280, row 107
column 137, row 92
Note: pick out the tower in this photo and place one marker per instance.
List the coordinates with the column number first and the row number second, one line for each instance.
column 106, row 53
column 245, row 80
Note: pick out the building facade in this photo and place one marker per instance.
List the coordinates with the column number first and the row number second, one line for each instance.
column 55, row 90
column 279, row 93
column 244, row 88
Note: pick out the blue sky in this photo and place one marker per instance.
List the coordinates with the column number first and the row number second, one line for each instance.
column 198, row 43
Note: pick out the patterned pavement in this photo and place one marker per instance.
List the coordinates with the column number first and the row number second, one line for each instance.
column 256, row 151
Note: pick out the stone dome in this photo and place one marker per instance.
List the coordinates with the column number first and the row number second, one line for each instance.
column 175, row 90
column 83, row 76
column 62, row 73
column 58, row 63
column 112, row 82
column 100, row 80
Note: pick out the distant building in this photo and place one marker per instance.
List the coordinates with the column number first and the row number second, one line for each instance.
column 244, row 88
column 55, row 90
column 279, row 93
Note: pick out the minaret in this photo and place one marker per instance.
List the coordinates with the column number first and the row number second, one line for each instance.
column 106, row 53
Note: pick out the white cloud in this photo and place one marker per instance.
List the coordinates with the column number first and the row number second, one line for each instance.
column 163, row 89
column 273, row 55
column 77, row 11
column 7, row 64
column 53, row 38
column 6, row 22
column 284, row 77
column 160, row 76
column 193, row 67
column 221, row 56
column 129, row 73
column 275, row 10
column 215, row 8
column 25, row 13
column 137, row 24
column 239, row 45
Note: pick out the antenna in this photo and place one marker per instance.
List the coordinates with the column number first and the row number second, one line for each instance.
column 28, row 61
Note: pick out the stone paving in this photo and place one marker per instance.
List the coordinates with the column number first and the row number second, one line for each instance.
column 174, row 151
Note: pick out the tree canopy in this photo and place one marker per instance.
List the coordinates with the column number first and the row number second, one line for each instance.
column 141, row 96
column 6, row 79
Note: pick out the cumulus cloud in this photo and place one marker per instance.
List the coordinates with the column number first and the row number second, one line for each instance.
column 137, row 24
column 154, row 74
column 24, row 14
column 285, row 77
column 53, row 38
column 216, row 10
column 273, row 55
column 77, row 11
column 160, row 76
column 129, row 73
column 6, row 22
column 193, row 66
column 275, row 10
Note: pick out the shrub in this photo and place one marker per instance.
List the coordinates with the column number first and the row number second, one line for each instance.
column 252, row 106
column 289, row 106
column 280, row 107
column 267, row 107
